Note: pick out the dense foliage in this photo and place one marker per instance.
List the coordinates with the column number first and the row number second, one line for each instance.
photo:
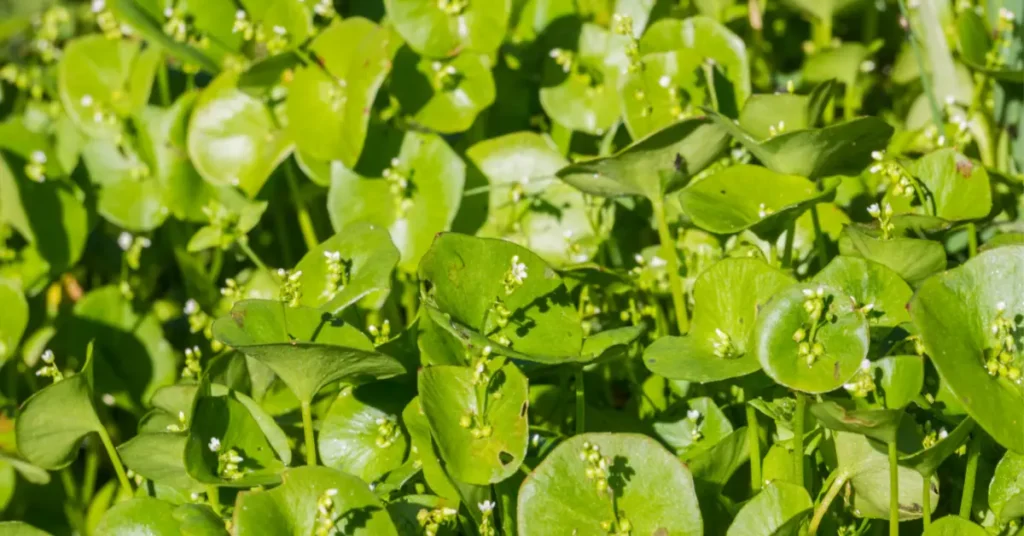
column 498, row 267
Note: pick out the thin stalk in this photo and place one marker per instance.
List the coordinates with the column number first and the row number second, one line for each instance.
column 305, row 222
column 926, row 501
column 92, row 462
column 754, row 441
column 581, row 403
column 926, row 82
column 822, row 509
column 216, row 263
column 894, row 491
column 709, row 76
column 307, row 429
column 213, row 497
column 787, row 252
column 973, row 453
column 243, row 244
column 163, row 83
column 562, row 137
column 972, row 240
column 798, row 437
column 668, row 250
column 115, row 460
column 608, row 141
column 819, row 238
column 67, row 480
column 822, row 29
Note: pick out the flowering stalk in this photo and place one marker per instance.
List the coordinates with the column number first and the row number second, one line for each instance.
column 668, row 251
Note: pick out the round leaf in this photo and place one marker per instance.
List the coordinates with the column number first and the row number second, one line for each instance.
column 913, row 259
column 870, row 283
column 957, row 188
column 777, row 511
column 1006, row 490
column 159, row 518
column 443, row 95
column 219, row 426
column 659, row 94
column 434, row 30
column 361, row 434
column 952, row 525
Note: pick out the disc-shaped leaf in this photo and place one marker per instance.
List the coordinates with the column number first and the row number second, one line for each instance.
column 778, row 510
column 656, row 96
column 652, row 489
column 365, row 257
column 957, row 189
column 764, row 113
column 955, row 314
column 870, row 284
column 727, row 298
column 54, row 420
column 866, row 467
column 610, row 343
column 293, row 507
column 426, row 206
column 705, row 39
column 305, row 347
column 159, row 518
column 443, row 95
column 842, row 334
column 951, row 525
column 328, row 106
column 135, row 205
column 743, row 196
column 438, row 29
column 842, row 415
column 361, row 434
column 232, row 138
column 557, row 225
column 494, row 444
column 653, row 166
column 700, row 428
column 913, row 259
column 1006, row 490
column 901, row 379
column 467, row 278
column 842, row 63
column 14, row 320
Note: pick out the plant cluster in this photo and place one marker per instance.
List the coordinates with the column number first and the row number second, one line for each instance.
column 511, row 267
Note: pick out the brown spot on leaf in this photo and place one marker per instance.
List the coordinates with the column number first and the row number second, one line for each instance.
column 835, row 371
column 964, row 167
column 238, row 317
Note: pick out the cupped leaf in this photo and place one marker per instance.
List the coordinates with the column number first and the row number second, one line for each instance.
column 975, row 40
column 927, row 460
column 418, row 201
column 902, row 377
column 160, row 457
column 305, row 347
column 14, row 320
column 610, row 343
column 842, row 415
column 136, row 205
column 866, row 467
column 148, row 24
column 669, row 86
column 727, row 298
column 233, row 139
column 700, row 428
column 478, row 281
column 778, row 510
column 54, row 421
column 1006, row 490
column 159, row 518
column 293, row 508
column 348, row 266
column 743, row 196
column 765, row 113
column 443, row 95
column 953, row 526
column 557, row 225
column 480, row 426
column 874, row 288
column 425, row 452
column 956, row 188
column 914, row 259
column 652, row 489
column 831, row 349
column 653, row 166
column 958, row 315
column 440, row 29
column 361, row 434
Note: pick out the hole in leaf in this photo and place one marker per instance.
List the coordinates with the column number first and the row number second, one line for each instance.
column 505, row 457
column 522, row 409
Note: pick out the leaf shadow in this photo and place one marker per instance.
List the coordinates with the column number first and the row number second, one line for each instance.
column 354, row 519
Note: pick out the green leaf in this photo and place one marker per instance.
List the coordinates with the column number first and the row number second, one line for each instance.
column 1006, row 490
column 727, row 297
column 54, row 421
column 366, row 258
column 669, row 85
column 766, row 112
column 778, row 510
column 362, row 434
column 653, row 490
column 713, row 467
column 653, row 166
column 413, row 215
column 975, row 40
column 952, row 525
column 842, row 334
column 14, row 320
column 902, row 377
column 703, row 38
column 292, row 508
column 159, row 457
column 305, row 347
column 699, row 429
column 135, row 205
column 842, row 63
column 914, row 259
column 743, row 196
column 328, row 107
column 443, row 95
column 492, row 447
column 159, row 518
column 18, row 528
column 866, row 467
column 466, row 278
column 842, row 415
column 425, row 451
column 927, row 460
column 131, row 13
column 557, row 225
column 957, row 188
column 955, row 313
column 870, row 283
column 233, row 139
column 610, row 343
column 436, row 31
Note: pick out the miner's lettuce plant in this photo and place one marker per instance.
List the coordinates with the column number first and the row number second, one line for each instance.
column 511, row 267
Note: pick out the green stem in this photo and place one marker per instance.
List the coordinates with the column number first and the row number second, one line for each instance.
column 709, row 77
column 115, row 460
column 307, row 429
column 668, row 250
column 581, row 402
column 926, row 82
column 92, row 461
column 213, row 497
column 216, row 263
column 562, row 137
column 973, row 453
column 163, row 83
column 787, row 252
column 67, row 480
column 822, row 509
column 926, row 501
column 894, row 490
column 972, row 239
column 305, row 222
column 754, row 441
column 822, row 29
column 798, row 437
column 243, row 244
column 608, row 141
column 819, row 238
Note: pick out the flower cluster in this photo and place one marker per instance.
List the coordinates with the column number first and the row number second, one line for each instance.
column 903, row 184
column 1001, row 45
column 480, row 375
column 228, row 461
column 515, row 276
column 387, row 431
column 338, row 273
column 382, row 334
column 723, row 346
column 884, row 217
column 291, row 286
column 862, row 384
column 276, row 42
column 597, row 466
column 325, row 512
column 487, row 527
column 697, row 421
column 1001, row 358
column 35, row 168
column 452, row 7
column 179, row 426
column 565, row 59
column 932, row 437
column 106, row 21
column 433, row 520
column 400, row 186
column 776, row 129
column 176, row 26
column 816, row 304
column 446, row 76
column 476, row 424
column 49, row 368
column 193, row 369
column 623, row 25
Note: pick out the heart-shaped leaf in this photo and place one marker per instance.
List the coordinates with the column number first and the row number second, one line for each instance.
column 1006, row 490
column 876, row 289
column 160, row 518
column 305, row 347
column 443, row 95
column 652, row 489
column 914, row 259
column 653, row 166
column 361, row 434
column 160, row 457
column 14, row 320
column 728, row 296
column 811, row 338
column 295, row 507
column 778, row 510
column 445, row 29
column 957, row 189
column 964, row 317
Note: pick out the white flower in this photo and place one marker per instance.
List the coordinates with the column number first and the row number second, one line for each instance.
column 943, row 434
column 877, row 155
column 639, row 259
column 86, row 101
column 1006, row 14
column 124, row 240
column 658, row 262
column 214, row 444
column 98, row 5
column 333, row 256
column 38, row 157
column 693, row 414
column 108, row 399
column 865, row 365
column 867, row 66
column 168, row 12
column 1001, row 306
column 240, row 14
column 331, row 492
column 448, row 512
column 950, row 100
column 518, row 270
column 721, row 334
column 191, row 307
column 664, row 81
column 279, row 30
column 47, row 356
column 486, row 507
column 875, row 210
